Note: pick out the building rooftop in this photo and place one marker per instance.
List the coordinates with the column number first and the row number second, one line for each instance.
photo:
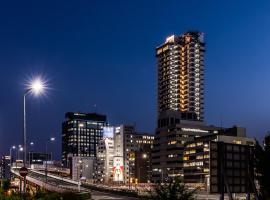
column 85, row 116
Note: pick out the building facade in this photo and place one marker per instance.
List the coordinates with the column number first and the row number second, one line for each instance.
column 5, row 167
column 81, row 132
column 171, row 135
column 82, row 168
column 104, row 165
column 220, row 163
column 180, row 63
column 143, row 165
column 126, row 142
column 180, row 66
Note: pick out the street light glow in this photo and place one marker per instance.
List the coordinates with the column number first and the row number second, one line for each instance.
column 37, row 86
column 52, row 139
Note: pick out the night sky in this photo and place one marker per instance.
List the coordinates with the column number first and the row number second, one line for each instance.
column 103, row 53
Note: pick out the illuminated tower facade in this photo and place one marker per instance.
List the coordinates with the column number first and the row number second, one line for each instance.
column 180, row 62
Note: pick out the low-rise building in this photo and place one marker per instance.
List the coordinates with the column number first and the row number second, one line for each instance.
column 104, row 165
column 170, row 138
column 82, row 168
column 220, row 162
column 126, row 142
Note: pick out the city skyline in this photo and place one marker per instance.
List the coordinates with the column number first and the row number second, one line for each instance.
column 86, row 65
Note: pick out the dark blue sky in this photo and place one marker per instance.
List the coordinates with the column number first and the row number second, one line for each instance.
column 103, row 53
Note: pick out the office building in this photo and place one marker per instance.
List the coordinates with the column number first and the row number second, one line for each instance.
column 5, row 167
column 180, row 63
column 105, row 155
column 171, row 135
column 81, row 132
column 220, row 162
column 143, row 165
column 126, row 142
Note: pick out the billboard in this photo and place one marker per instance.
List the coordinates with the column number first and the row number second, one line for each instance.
column 108, row 132
column 118, row 169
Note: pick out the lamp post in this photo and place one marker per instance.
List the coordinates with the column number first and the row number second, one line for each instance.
column 13, row 147
column 81, row 125
column 20, row 148
column 31, row 144
column 46, row 154
column 161, row 170
column 35, row 87
column 144, row 156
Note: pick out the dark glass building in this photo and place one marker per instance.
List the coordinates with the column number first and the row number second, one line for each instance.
column 219, row 163
column 38, row 158
column 81, row 132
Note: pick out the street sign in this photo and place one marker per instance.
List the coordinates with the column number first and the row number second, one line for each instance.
column 23, row 171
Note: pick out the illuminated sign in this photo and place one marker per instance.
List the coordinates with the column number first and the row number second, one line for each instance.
column 118, row 169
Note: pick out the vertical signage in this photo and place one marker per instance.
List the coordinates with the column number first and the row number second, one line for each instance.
column 118, row 169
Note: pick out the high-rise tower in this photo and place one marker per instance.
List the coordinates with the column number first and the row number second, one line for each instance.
column 181, row 75
column 180, row 63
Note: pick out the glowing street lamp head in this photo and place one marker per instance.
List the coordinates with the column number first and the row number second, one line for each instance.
column 37, row 86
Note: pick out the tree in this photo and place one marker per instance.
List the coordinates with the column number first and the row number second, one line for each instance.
column 5, row 185
column 174, row 190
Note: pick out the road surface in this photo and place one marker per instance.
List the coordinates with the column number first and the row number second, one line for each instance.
column 96, row 195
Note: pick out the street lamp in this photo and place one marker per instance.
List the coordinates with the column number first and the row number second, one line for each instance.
column 162, row 175
column 52, row 139
column 144, row 156
column 20, row 148
column 30, row 157
column 13, row 147
column 35, row 87
column 79, row 173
